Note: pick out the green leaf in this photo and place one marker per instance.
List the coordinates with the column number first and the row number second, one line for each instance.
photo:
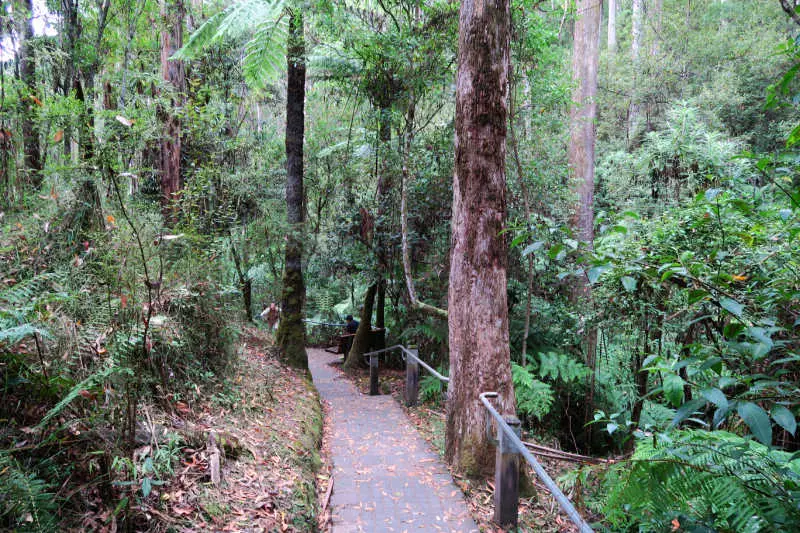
column 715, row 396
column 673, row 389
column 731, row 306
column 532, row 248
column 686, row 410
column 147, row 486
column 697, row 295
column 757, row 420
column 784, row 418
column 629, row 283
column 595, row 272
column 611, row 428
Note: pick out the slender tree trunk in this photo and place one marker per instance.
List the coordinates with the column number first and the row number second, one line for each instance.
column 172, row 12
column 480, row 359
column 361, row 341
column 637, row 31
column 656, row 14
column 585, row 59
column 405, row 177
column 612, row 26
column 291, row 335
column 384, row 205
column 30, row 130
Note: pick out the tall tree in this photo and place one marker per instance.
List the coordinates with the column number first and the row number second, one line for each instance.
column 291, row 332
column 27, row 73
column 583, row 114
column 172, row 13
column 612, row 26
column 480, row 357
column 637, row 35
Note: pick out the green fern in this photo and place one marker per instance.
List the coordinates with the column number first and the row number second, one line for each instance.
column 561, row 367
column 534, row 397
column 712, row 481
column 26, row 502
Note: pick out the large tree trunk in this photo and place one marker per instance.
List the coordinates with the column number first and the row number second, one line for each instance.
column 612, row 26
column 585, row 59
column 30, row 130
column 172, row 12
column 291, row 335
column 480, row 359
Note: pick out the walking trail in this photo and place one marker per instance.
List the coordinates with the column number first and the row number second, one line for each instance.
column 386, row 478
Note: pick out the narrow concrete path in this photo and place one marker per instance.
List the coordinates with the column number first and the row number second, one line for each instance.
column 385, row 476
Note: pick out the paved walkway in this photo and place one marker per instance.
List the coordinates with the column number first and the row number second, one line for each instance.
column 385, row 476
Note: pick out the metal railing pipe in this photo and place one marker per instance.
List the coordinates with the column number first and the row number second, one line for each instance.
column 560, row 497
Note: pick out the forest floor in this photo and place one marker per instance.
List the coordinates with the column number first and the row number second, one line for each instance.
column 537, row 513
column 269, row 427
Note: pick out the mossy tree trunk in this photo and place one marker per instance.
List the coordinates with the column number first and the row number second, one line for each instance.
column 291, row 334
column 361, row 341
column 480, row 358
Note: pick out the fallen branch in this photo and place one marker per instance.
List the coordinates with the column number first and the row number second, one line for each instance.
column 560, row 455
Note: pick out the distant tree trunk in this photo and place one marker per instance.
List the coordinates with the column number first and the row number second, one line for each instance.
column 291, row 335
column 172, row 13
column 585, row 59
column 30, row 130
column 637, row 33
column 361, row 341
column 612, row 26
column 656, row 14
column 480, row 358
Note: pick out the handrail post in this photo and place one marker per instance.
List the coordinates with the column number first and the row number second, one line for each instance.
column 373, row 375
column 412, row 378
column 506, row 476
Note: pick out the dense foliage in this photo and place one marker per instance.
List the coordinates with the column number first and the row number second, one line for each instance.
column 116, row 298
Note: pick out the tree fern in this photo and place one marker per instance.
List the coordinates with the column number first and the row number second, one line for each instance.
column 264, row 24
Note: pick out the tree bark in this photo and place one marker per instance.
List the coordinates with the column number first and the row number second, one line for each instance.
column 30, row 130
column 291, row 335
column 480, row 358
column 612, row 26
column 172, row 12
column 583, row 114
column 361, row 342
column 637, row 33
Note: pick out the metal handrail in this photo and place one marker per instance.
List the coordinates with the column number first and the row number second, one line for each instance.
column 560, row 497
column 412, row 355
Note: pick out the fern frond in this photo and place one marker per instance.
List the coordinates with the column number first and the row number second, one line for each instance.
column 265, row 53
column 15, row 334
column 261, row 21
column 705, row 480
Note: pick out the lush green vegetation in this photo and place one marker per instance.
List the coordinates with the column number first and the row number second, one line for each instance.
column 120, row 297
